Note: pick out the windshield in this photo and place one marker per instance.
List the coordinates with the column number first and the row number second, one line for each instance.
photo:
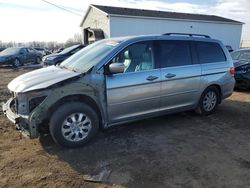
column 66, row 50
column 241, row 56
column 10, row 51
column 89, row 56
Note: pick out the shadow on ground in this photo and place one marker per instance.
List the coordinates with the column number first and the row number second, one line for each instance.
column 180, row 150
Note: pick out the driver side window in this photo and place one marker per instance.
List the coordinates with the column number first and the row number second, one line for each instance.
column 137, row 57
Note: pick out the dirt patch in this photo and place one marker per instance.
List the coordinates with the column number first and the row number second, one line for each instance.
column 180, row 150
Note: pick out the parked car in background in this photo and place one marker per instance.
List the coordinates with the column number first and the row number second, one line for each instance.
column 43, row 51
column 241, row 60
column 1, row 49
column 57, row 58
column 17, row 56
column 120, row 80
column 57, row 50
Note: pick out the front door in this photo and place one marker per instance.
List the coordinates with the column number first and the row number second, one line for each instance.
column 136, row 91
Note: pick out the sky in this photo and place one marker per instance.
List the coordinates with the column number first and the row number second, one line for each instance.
column 36, row 20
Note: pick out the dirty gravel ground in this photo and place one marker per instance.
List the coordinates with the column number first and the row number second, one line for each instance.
column 180, row 150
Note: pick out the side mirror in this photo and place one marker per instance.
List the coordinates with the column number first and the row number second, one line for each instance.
column 116, row 68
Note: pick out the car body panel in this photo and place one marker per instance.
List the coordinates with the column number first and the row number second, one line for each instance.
column 131, row 94
column 181, row 90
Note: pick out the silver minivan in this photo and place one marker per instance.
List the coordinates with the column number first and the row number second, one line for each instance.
column 120, row 80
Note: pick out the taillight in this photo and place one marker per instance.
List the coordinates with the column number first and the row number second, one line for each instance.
column 232, row 71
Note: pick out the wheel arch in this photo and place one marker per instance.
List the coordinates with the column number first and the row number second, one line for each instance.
column 218, row 87
column 73, row 98
column 18, row 58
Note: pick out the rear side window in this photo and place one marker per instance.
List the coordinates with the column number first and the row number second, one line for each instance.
column 172, row 53
column 210, row 52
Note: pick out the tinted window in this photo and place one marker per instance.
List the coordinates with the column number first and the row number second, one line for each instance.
column 137, row 57
column 173, row 53
column 210, row 52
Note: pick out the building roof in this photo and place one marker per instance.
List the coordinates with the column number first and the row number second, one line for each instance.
column 120, row 11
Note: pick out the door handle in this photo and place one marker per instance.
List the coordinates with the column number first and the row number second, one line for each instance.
column 170, row 75
column 151, row 78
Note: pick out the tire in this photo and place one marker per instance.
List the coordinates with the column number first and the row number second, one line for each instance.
column 38, row 60
column 209, row 101
column 68, row 129
column 17, row 63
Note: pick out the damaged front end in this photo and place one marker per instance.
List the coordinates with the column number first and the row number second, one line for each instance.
column 28, row 92
column 20, row 108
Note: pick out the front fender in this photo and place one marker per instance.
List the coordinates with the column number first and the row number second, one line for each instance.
column 77, row 88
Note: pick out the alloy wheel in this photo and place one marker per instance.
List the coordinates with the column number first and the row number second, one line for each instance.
column 76, row 127
column 209, row 101
column 17, row 63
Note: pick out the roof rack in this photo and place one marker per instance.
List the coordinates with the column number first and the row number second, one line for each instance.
column 188, row 34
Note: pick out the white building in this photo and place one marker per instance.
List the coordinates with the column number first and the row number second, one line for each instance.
column 105, row 21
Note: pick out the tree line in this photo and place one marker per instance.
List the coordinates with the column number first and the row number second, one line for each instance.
column 76, row 39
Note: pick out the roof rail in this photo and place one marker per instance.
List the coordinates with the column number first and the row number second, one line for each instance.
column 188, row 34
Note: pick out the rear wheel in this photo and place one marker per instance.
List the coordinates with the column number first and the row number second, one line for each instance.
column 208, row 101
column 38, row 60
column 74, row 124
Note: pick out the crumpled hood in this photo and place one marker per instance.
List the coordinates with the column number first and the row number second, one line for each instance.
column 240, row 63
column 40, row 79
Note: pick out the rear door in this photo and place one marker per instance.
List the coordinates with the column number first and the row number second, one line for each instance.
column 214, row 66
column 135, row 92
column 180, row 74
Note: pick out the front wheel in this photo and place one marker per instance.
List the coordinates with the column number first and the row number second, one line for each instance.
column 73, row 124
column 208, row 101
column 17, row 63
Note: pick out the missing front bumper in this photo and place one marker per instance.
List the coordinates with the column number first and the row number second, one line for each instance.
column 21, row 122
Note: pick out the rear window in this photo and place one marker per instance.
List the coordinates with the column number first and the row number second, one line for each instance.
column 210, row 52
